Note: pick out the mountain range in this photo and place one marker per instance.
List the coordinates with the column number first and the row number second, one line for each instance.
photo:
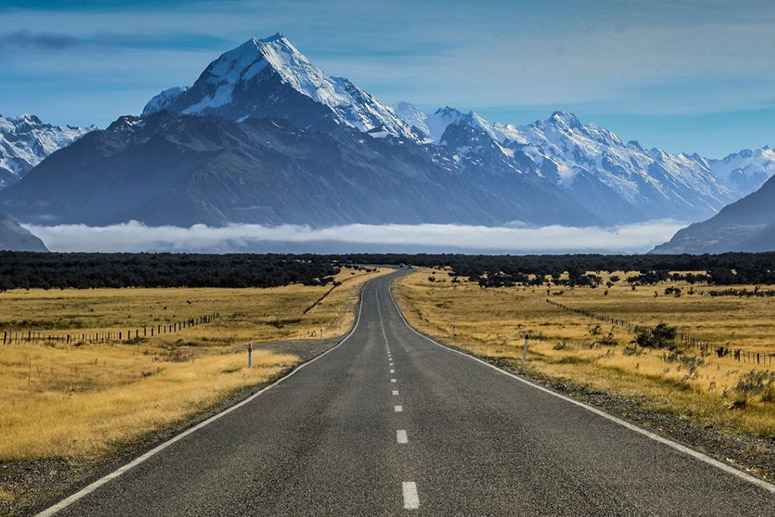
column 264, row 136
column 25, row 141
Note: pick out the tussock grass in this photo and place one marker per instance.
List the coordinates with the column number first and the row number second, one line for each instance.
column 84, row 400
column 568, row 347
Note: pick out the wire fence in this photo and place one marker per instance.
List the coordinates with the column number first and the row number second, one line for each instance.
column 703, row 347
column 11, row 337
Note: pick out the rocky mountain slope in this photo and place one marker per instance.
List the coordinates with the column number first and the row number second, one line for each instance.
column 15, row 238
column 746, row 225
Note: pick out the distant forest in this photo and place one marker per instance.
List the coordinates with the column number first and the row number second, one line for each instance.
column 87, row 270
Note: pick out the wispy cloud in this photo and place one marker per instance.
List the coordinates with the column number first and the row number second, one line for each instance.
column 136, row 237
column 40, row 40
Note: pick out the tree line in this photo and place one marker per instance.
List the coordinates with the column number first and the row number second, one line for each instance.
column 92, row 270
column 88, row 270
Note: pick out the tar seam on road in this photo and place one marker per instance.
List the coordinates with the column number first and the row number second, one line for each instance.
column 675, row 445
column 121, row 470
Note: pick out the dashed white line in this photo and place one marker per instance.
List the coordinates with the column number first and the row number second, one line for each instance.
column 632, row 427
column 399, row 409
column 411, row 499
column 395, row 393
column 401, row 436
column 392, row 371
column 393, row 380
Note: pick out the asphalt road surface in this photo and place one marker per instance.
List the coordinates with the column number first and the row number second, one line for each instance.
column 389, row 423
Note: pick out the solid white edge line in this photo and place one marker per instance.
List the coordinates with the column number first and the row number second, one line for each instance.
column 121, row 470
column 411, row 499
column 657, row 438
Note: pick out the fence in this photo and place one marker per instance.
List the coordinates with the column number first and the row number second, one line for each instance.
column 703, row 346
column 30, row 336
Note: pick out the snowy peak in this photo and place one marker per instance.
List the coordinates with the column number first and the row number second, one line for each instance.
column 434, row 125
column 745, row 171
column 25, row 141
column 270, row 77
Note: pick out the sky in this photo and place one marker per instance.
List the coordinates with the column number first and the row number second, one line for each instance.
column 685, row 76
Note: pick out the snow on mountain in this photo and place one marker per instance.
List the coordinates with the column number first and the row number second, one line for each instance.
column 271, row 78
column 745, row 171
column 25, row 141
column 163, row 100
column 414, row 118
column 620, row 181
column 593, row 163
column 434, row 125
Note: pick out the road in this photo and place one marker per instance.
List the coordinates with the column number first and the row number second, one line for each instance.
column 389, row 423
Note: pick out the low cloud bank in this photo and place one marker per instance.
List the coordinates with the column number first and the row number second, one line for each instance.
column 136, row 237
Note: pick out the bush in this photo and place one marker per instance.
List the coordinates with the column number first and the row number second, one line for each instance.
column 661, row 336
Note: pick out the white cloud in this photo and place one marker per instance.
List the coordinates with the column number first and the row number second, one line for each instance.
column 135, row 237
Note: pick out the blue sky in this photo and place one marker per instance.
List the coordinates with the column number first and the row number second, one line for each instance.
column 693, row 76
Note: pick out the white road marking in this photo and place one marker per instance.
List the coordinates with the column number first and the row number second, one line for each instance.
column 632, row 427
column 411, row 499
column 399, row 409
column 64, row 503
column 401, row 436
column 392, row 371
column 393, row 380
column 395, row 393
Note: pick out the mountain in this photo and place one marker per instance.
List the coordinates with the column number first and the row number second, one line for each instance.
column 745, row 171
column 746, row 225
column 15, row 238
column 174, row 169
column 621, row 183
column 25, row 141
column 264, row 136
column 271, row 78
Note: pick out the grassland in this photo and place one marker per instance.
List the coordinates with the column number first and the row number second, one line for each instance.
column 571, row 348
column 85, row 400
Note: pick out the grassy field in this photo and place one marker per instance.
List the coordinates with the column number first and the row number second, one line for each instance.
column 85, row 400
column 569, row 347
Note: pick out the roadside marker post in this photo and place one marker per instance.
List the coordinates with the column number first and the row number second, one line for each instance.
column 250, row 355
column 524, row 349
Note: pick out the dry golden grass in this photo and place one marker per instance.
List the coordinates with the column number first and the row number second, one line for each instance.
column 566, row 346
column 85, row 400
column 245, row 314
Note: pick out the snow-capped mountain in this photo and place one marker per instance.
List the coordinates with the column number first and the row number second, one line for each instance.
column 174, row 169
column 745, row 171
column 264, row 136
column 622, row 182
column 271, row 78
column 25, row 141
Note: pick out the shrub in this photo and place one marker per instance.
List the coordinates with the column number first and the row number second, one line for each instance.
column 661, row 336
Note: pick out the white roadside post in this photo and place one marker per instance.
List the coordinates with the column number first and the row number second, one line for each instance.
column 524, row 349
column 250, row 355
